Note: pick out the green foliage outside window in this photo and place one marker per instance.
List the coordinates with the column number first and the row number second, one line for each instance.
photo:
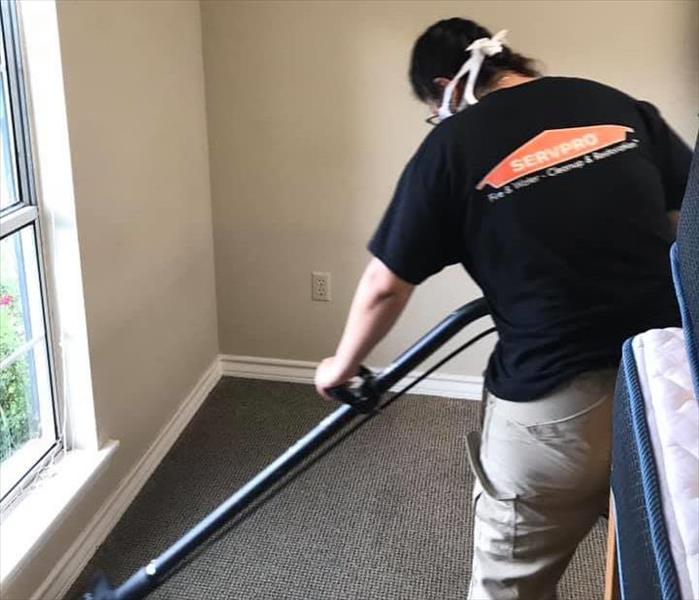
column 16, row 422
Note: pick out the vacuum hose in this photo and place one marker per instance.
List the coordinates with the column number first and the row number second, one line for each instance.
column 357, row 400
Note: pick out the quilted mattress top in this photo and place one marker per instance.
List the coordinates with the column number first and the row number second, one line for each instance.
column 673, row 420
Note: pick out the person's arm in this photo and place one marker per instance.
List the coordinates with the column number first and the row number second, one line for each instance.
column 417, row 237
column 379, row 300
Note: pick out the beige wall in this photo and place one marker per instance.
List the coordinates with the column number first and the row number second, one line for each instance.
column 311, row 120
column 135, row 100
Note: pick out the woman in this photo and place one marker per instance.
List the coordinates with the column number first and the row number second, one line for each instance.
column 557, row 195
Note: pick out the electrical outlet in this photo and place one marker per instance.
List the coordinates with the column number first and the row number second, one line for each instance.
column 320, row 287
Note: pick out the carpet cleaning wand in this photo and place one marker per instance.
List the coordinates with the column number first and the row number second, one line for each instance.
column 361, row 399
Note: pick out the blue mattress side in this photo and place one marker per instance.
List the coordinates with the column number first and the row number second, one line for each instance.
column 688, row 327
column 646, row 564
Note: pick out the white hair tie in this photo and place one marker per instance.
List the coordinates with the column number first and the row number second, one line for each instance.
column 479, row 49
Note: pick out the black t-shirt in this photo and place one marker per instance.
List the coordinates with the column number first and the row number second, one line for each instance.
column 553, row 195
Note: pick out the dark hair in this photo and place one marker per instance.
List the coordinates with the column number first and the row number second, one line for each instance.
column 441, row 51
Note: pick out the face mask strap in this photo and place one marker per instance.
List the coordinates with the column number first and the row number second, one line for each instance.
column 480, row 49
column 444, row 111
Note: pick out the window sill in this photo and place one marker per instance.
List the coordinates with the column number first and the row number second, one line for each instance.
column 32, row 518
column 24, row 460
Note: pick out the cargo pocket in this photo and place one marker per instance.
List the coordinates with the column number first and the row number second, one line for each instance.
column 473, row 448
column 495, row 511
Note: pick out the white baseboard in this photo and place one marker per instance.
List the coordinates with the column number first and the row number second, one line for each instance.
column 296, row 371
column 66, row 571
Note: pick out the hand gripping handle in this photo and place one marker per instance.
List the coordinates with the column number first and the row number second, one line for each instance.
column 362, row 397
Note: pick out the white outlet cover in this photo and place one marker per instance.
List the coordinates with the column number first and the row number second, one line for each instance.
column 320, row 286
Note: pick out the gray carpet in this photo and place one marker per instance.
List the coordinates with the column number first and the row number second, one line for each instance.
column 385, row 514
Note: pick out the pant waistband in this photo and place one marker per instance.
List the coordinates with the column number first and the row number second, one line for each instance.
column 572, row 397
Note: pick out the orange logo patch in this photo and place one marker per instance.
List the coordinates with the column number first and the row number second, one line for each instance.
column 552, row 147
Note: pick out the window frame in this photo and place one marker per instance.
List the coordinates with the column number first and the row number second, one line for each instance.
column 26, row 213
column 19, row 113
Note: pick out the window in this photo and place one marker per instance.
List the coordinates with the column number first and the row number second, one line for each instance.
column 29, row 424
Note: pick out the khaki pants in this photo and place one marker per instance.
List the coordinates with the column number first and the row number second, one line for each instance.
column 542, row 480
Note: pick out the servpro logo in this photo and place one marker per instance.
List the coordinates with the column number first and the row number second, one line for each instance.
column 552, row 147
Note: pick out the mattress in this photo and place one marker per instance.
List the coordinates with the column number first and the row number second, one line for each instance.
column 655, row 474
